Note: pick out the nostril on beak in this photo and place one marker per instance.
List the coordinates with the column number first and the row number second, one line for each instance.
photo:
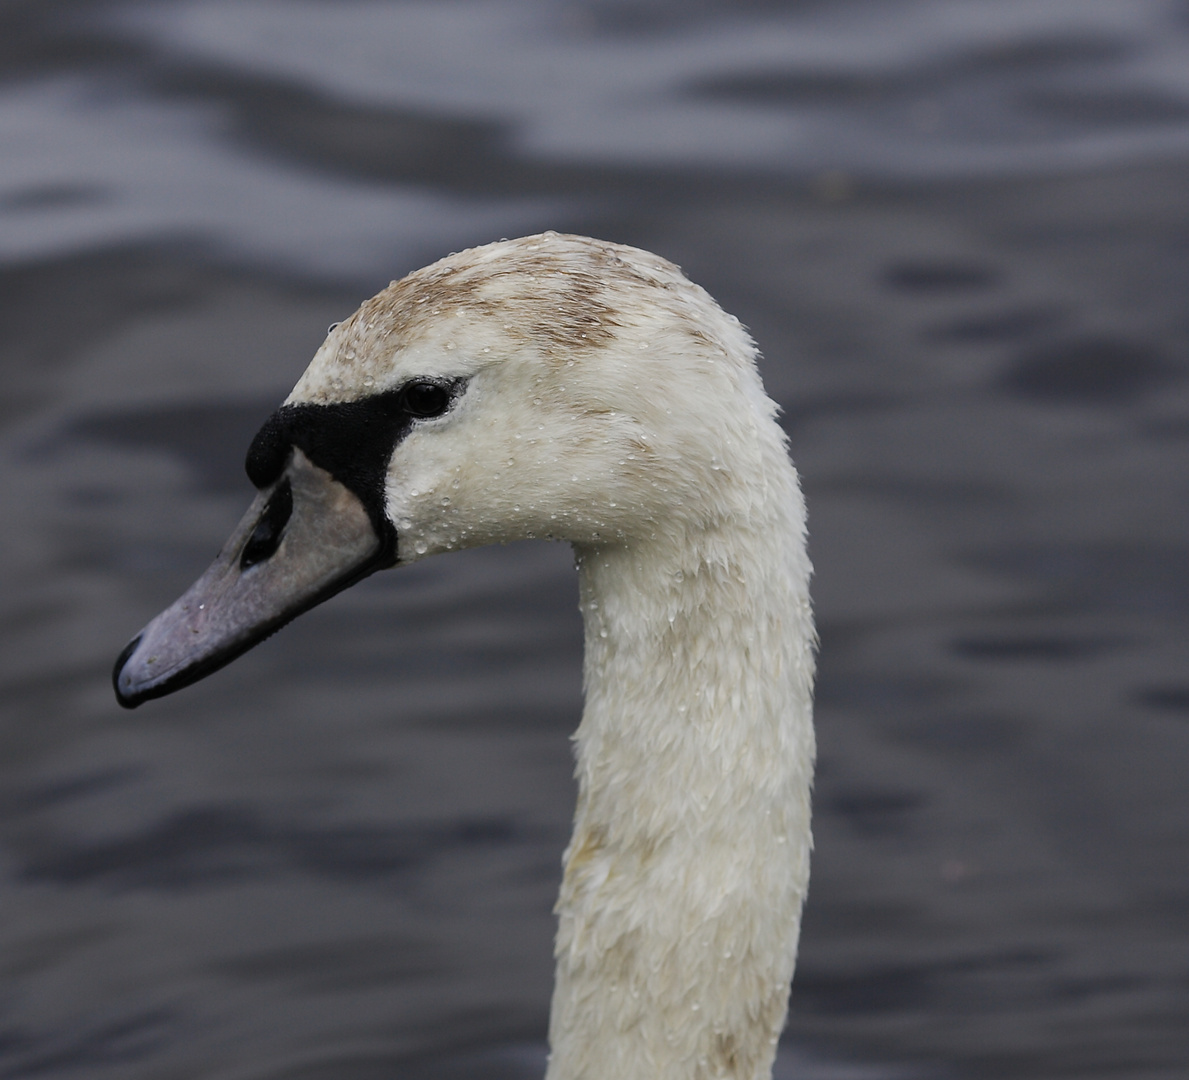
column 266, row 537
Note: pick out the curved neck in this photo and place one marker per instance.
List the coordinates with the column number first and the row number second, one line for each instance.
column 680, row 907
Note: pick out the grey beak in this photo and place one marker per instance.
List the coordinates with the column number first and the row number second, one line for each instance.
column 302, row 540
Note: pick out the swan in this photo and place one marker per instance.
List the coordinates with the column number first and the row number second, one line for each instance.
column 562, row 387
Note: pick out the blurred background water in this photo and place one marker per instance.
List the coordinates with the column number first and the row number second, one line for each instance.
column 959, row 230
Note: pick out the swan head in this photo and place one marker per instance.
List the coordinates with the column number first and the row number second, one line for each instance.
column 551, row 386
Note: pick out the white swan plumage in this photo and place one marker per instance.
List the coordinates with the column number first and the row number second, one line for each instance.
column 557, row 386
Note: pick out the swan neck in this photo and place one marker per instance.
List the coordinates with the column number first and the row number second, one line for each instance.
column 680, row 905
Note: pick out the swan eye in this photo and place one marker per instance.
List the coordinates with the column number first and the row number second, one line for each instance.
column 266, row 537
column 426, row 399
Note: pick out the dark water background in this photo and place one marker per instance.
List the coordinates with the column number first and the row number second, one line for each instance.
column 959, row 230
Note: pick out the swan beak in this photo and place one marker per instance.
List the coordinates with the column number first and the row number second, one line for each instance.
column 303, row 539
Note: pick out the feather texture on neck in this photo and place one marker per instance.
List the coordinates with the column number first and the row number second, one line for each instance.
column 684, row 879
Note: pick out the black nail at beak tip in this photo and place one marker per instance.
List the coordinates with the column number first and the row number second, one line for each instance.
column 121, row 660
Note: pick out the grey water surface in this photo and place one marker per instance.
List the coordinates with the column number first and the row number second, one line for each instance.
column 959, row 230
